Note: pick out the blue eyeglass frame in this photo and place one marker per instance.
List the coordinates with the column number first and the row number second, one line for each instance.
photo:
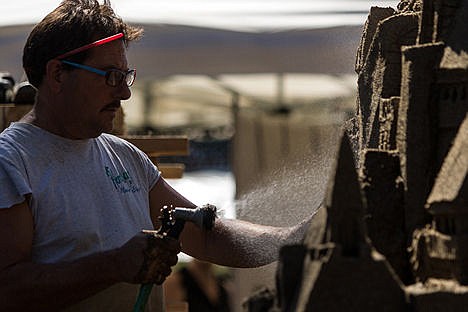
column 103, row 72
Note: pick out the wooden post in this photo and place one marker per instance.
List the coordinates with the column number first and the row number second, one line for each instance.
column 155, row 146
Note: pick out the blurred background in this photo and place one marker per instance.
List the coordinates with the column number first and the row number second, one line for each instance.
column 261, row 89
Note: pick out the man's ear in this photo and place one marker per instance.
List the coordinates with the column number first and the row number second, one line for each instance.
column 54, row 75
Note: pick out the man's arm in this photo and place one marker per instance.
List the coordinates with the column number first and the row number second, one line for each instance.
column 25, row 285
column 233, row 243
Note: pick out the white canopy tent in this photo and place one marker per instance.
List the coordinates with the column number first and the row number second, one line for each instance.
column 239, row 15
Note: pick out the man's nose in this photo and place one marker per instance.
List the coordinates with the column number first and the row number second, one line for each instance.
column 124, row 91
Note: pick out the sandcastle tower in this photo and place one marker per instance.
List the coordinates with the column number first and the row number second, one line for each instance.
column 440, row 250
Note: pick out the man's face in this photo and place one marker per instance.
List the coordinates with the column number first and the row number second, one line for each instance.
column 90, row 105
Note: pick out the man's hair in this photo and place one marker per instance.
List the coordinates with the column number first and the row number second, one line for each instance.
column 74, row 23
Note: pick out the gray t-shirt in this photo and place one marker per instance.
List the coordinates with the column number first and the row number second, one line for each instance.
column 86, row 196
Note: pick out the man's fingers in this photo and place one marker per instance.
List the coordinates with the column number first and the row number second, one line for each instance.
column 156, row 273
column 159, row 256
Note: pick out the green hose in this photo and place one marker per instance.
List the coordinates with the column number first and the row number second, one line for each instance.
column 142, row 299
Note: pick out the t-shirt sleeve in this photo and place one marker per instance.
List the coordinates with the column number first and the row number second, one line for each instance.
column 150, row 170
column 14, row 184
column 153, row 173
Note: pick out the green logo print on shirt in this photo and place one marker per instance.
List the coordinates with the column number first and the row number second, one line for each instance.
column 123, row 183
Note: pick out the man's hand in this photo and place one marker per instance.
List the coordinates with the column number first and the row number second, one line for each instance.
column 147, row 258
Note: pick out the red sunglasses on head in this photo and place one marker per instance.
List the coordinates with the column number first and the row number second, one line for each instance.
column 90, row 45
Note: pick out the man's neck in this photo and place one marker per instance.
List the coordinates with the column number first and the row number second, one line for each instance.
column 48, row 123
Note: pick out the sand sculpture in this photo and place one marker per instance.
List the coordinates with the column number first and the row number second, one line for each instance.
column 392, row 234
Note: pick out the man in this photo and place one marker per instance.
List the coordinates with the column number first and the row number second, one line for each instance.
column 74, row 199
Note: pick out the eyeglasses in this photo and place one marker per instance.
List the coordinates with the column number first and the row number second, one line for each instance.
column 114, row 77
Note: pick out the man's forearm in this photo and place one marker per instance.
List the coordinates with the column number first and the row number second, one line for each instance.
column 28, row 286
column 237, row 243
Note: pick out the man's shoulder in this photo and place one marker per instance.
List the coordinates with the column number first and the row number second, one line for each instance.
column 20, row 133
column 117, row 143
column 107, row 138
column 112, row 138
column 10, row 140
